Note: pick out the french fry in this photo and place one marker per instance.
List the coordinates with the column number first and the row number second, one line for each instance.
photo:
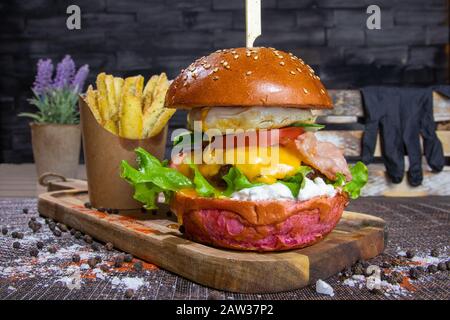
column 108, row 124
column 91, row 100
column 131, row 117
column 113, row 108
column 148, row 92
column 118, row 84
column 161, row 121
column 111, row 126
column 102, row 92
column 156, row 112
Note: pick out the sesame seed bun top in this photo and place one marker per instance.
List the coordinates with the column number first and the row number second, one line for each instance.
column 248, row 77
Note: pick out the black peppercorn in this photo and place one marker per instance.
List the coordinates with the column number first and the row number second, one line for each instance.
column 109, row 246
column 19, row 235
column 410, row 254
column 16, row 245
column 73, row 231
column 88, row 205
column 104, row 267
column 52, row 226
column 4, row 231
column 397, row 276
column 57, row 233
column 442, row 266
column 138, row 266
column 52, row 249
column 129, row 293
column 109, row 210
column 62, row 227
column 25, row 210
column 128, row 257
column 358, row 269
column 94, row 247
column 92, row 262
column 118, row 260
column 435, row 252
column 76, row 258
column 34, row 252
column 386, row 265
column 87, row 239
column 414, row 273
column 39, row 245
column 98, row 258
column 14, row 234
column 78, row 235
column 432, row 268
column 101, row 209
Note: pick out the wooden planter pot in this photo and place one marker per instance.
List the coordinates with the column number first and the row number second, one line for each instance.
column 56, row 148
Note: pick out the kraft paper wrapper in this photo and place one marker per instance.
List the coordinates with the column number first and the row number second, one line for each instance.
column 103, row 152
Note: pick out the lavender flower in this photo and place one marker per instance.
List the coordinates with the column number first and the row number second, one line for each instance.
column 43, row 80
column 64, row 73
column 80, row 78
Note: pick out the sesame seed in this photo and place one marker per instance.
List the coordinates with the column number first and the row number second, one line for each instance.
column 292, row 72
column 194, row 75
column 302, row 62
column 191, row 68
column 185, row 78
column 248, row 73
column 233, row 52
column 255, row 57
column 215, row 69
column 280, row 56
column 227, row 67
column 248, row 53
column 236, row 56
column 282, row 63
column 215, row 78
column 225, row 63
column 299, row 70
column 322, row 91
column 305, row 90
column 207, row 66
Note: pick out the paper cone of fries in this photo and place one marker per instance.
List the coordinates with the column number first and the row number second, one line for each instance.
column 103, row 152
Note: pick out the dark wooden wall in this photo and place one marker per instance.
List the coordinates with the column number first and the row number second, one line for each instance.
column 127, row 37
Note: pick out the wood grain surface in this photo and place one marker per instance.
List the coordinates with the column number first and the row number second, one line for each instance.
column 156, row 238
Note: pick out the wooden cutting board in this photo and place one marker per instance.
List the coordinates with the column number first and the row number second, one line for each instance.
column 155, row 238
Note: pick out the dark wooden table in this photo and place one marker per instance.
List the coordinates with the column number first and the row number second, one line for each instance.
column 421, row 224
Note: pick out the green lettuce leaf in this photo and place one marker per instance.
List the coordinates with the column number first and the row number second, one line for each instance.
column 360, row 176
column 202, row 186
column 296, row 182
column 236, row 181
column 308, row 126
column 151, row 178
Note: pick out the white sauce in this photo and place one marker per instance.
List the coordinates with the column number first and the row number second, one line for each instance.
column 315, row 188
column 264, row 192
column 279, row 191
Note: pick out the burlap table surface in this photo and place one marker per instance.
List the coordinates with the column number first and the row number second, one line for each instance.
column 412, row 223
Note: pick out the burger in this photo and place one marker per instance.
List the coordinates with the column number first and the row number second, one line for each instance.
column 258, row 179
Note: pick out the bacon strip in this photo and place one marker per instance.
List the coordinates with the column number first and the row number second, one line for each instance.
column 323, row 156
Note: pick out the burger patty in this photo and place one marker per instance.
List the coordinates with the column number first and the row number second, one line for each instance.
column 304, row 224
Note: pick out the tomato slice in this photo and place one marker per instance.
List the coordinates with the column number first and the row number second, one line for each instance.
column 285, row 136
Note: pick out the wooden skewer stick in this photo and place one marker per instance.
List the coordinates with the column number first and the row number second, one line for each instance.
column 252, row 21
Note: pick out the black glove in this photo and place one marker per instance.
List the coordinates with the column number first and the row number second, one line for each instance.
column 382, row 112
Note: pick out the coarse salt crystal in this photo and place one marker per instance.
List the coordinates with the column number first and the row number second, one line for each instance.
column 324, row 288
